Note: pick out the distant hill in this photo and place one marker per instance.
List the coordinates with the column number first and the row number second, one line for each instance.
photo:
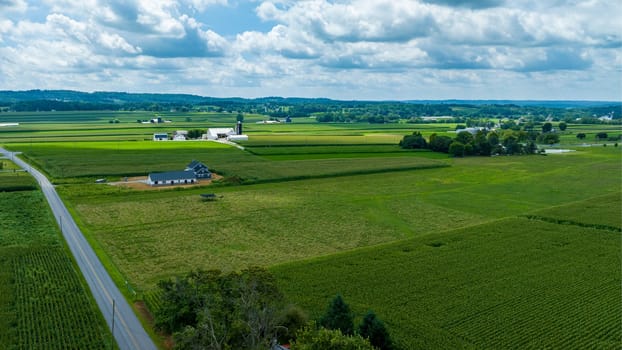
column 523, row 103
column 117, row 98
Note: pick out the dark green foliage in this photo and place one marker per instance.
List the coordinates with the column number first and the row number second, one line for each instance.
column 601, row 135
column 195, row 133
column 547, row 127
column 456, row 149
column 311, row 338
column 464, row 137
column 293, row 319
column 440, row 143
column 562, row 126
column 416, row 141
column 338, row 316
column 373, row 329
column 550, row 138
column 581, row 136
column 208, row 309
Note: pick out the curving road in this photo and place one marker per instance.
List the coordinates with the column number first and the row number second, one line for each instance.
column 128, row 332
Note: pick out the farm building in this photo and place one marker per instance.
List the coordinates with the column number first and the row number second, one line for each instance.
column 172, row 178
column 200, row 170
column 219, row 133
column 237, row 137
column 160, row 137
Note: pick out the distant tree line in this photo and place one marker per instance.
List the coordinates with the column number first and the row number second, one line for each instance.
column 323, row 110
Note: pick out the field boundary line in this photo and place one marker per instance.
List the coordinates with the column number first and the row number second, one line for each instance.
column 572, row 223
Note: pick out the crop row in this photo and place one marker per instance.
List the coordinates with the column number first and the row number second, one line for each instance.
column 53, row 310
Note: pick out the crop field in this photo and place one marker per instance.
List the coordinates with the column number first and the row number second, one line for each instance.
column 97, row 159
column 513, row 283
column 12, row 179
column 43, row 302
column 149, row 236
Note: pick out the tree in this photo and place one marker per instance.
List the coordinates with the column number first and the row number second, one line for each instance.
column 601, row 135
column 456, row 149
column 547, row 127
column 311, row 338
column 292, row 320
column 549, row 138
column 338, row 316
column 581, row 136
column 481, row 144
column 562, row 126
column 211, row 310
column 414, row 141
column 239, row 117
column 373, row 329
column 493, row 139
column 439, row 143
column 464, row 137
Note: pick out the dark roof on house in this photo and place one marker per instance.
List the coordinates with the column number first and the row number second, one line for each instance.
column 196, row 166
column 172, row 175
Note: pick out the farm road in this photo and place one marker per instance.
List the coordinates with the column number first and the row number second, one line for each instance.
column 128, row 331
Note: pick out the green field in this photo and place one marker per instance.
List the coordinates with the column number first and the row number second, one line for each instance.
column 116, row 159
column 44, row 303
column 496, row 252
column 152, row 235
column 513, row 283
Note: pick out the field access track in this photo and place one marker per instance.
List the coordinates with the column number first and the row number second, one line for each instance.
column 128, row 332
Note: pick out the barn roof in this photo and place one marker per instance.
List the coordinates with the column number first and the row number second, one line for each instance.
column 172, row 175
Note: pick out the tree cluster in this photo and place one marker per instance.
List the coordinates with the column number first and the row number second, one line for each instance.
column 483, row 143
column 337, row 331
column 212, row 310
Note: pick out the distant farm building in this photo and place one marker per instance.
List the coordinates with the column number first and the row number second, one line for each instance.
column 219, row 133
column 228, row 134
column 180, row 137
column 172, row 178
column 160, row 137
column 199, row 169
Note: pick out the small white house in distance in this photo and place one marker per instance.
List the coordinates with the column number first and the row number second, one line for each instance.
column 172, row 178
column 160, row 137
column 219, row 133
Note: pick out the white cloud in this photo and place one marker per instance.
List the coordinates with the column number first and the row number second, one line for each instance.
column 8, row 6
column 344, row 49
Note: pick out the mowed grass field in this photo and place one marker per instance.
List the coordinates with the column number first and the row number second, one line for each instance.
column 44, row 304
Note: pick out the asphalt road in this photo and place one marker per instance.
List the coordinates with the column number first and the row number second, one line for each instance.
column 128, row 332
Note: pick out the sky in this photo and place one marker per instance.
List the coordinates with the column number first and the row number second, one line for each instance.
column 341, row 49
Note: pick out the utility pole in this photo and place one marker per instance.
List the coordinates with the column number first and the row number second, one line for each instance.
column 112, row 328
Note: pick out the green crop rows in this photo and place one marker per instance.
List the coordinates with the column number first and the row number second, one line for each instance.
column 53, row 310
column 514, row 283
column 43, row 302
